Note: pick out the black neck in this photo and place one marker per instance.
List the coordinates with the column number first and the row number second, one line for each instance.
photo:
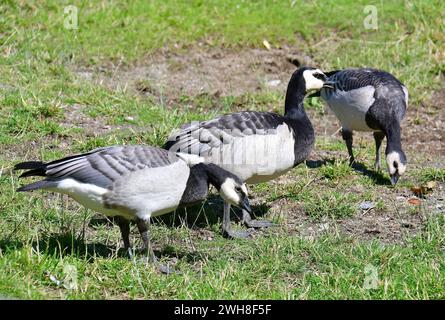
column 296, row 117
column 201, row 175
column 293, row 107
column 393, row 139
column 197, row 186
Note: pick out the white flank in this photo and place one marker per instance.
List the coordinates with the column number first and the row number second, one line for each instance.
column 351, row 107
column 88, row 195
column 150, row 191
column 256, row 158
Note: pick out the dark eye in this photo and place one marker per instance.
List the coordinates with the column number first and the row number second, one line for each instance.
column 238, row 189
column 395, row 164
column 319, row 76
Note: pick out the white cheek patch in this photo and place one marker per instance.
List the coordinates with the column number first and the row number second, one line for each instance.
column 244, row 188
column 312, row 83
column 228, row 192
column 402, row 168
column 395, row 157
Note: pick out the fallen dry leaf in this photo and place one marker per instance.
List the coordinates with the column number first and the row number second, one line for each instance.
column 414, row 201
column 417, row 190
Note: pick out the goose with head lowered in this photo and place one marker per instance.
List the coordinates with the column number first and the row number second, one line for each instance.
column 373, row 100
column 134, row 183
column 255, row 146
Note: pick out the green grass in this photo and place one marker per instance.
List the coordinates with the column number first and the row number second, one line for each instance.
column 273, row 268
column 42, row 234
column 433, row 174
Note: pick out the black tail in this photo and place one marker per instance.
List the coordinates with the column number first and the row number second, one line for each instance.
column 36, row 168
column 169, row 144
column 37, row 185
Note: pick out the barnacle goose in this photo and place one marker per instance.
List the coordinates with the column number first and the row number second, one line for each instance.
column 134, row 183
column 255, row 146
column 370, row 100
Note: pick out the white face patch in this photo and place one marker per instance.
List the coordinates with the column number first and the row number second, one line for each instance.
column 244, row 188
column 312, row 83
column 394, row 157
column 228, row 192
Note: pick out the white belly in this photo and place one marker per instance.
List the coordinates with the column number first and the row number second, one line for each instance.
column 259, row 178
column 152, row 191
column 351, row 107
column 88, row 195
column 257, row 158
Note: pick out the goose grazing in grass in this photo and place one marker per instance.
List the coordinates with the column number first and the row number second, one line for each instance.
column 255, row 146
column 134, row 183
column 370, row 100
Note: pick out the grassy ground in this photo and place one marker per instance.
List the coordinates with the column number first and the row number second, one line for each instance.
column 65, row 91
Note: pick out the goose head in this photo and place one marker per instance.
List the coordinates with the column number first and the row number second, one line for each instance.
column 229, row 186
column 396, row 163
column 235, row 192
column 310, row 79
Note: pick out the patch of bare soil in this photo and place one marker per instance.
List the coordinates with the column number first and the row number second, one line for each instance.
column 211, row 71
column 75, row 117
column 395, row 223
column 424, row 129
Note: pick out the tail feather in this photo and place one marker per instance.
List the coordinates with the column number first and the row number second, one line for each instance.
column 169, row 144
column 34, row 172
column 37, row 185
column 29, row 165
column 36, row 168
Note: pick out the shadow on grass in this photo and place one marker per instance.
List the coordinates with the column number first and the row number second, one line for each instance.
column 60, row 245
column 201, row 215
column 68, row 244
column 198, row 216
column 6, row 245
column 207, row 214
column 377, row 177
column 181, row 254
column 313, row 164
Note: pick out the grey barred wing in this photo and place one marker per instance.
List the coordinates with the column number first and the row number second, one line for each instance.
column 103, row 166
column 351, row 79
column 201, row 138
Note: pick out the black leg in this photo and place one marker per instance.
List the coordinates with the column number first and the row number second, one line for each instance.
column 249, row 222
column 347, row 136
column 124, row 226
column 227, row 229
column 146, row 244
column 143, row 227
column 378, row 137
